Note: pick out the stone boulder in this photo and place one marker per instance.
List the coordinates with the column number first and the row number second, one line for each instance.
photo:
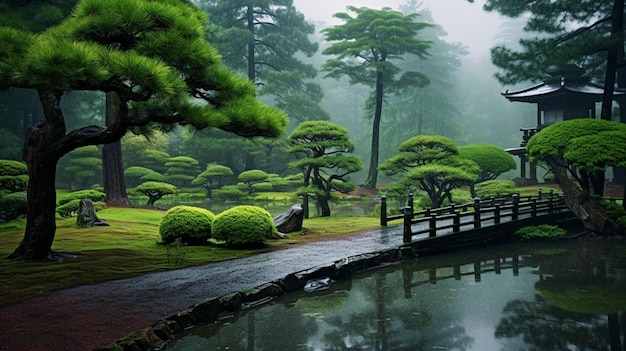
column 290, row 221
column 87, row 215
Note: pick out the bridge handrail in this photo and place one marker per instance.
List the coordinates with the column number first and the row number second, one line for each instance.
column 479, row 213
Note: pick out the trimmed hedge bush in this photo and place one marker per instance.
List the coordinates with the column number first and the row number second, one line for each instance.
column 70, row 208
column 243, row 226
column 540, row 231
column 12, row 205
column 93, row 194
column 192, row 225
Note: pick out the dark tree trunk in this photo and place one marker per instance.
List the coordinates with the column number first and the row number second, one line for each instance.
column 372, row 175
column 41, row 159
column 45, row 144
column 585, row 206
column 113, row 175
column 112, row 163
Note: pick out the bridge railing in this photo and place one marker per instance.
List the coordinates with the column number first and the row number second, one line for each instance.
column 481, row 212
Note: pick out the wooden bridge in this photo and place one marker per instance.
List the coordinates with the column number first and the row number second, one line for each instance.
column 480, row 221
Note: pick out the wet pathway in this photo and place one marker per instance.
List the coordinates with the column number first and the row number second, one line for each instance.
column 84, row 317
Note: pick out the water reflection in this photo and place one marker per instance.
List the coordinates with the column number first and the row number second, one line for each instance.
column 568, row 296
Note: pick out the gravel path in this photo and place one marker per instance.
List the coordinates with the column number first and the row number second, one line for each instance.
column 85, row 317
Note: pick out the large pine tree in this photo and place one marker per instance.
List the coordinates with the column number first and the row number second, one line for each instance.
column 153, row 56
column 366, row 47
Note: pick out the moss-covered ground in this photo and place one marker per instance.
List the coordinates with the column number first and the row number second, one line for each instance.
column 130, row 247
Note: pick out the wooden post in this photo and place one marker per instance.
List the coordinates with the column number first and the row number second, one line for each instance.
column 551, row 201
column 383, row 211
column 432, row 275
column 432, row 224
column 406, row 232
column 410, row 204
column 457, row 272
column 497, row 265
column 477, row 272
column 452, row 208
column 407, row 278
column 540, row 194
column 496, row 214
column 515, row 209
column 476, row 212
column 534, row 208
column 456, row 225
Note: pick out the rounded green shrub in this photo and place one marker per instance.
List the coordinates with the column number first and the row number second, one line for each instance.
column 93, row 194
column 70, row 208
column 192, row 225
column 12, row 205
column 243, row 226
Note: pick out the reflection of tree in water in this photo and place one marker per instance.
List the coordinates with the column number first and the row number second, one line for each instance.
column 578, row 302
column 387, row 321
column 544, row 326
column 259, row 330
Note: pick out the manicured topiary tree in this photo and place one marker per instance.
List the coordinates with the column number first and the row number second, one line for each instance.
column 154, row 190
column 253, row 180
column 135, row 175
column 211, row 177
column 13, row 176
column 491, row 159
column 243, row 226
column 192, row 225
column 69, row 204
column 577, row 151
column 495, row 188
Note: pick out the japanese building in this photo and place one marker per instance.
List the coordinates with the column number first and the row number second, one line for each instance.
column 566, row 95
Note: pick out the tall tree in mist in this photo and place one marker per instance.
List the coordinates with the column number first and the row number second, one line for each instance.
column 154, row 58
column 365, row 47
column 264, row 38
column 433, row 109
column 564, row 32
column 588, row 34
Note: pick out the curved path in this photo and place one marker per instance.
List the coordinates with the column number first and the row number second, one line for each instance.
column 85, row 317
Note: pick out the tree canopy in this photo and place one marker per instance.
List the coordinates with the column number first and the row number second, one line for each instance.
column 431, row 163
column 573, row 150
column 265, row 40
column 365, row 47
column 324, row 157
column 491, row 160
column 153, row 56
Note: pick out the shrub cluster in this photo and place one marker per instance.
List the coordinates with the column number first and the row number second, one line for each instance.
column 540, row 231
column 191, row 225
column 243, row 226
column 68, row 205
column 12, row 205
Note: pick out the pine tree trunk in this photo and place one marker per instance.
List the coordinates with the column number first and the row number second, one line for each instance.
column 585, row 206
column 372, row 175
column 112, row 163
column 41, row 160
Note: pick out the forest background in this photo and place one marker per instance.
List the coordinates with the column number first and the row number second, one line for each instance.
column 462, row 101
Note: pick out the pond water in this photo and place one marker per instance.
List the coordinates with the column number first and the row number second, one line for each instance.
column 533, row 296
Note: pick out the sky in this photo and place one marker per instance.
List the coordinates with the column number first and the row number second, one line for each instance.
column 464, row 22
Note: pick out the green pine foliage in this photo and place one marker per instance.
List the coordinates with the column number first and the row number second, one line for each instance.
column 70, row 208
column 154, row 190
column 540, row 231
column 190, row 225
column 93, row 194
column 495, row 188
column 228, row 193
column 243, row 226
